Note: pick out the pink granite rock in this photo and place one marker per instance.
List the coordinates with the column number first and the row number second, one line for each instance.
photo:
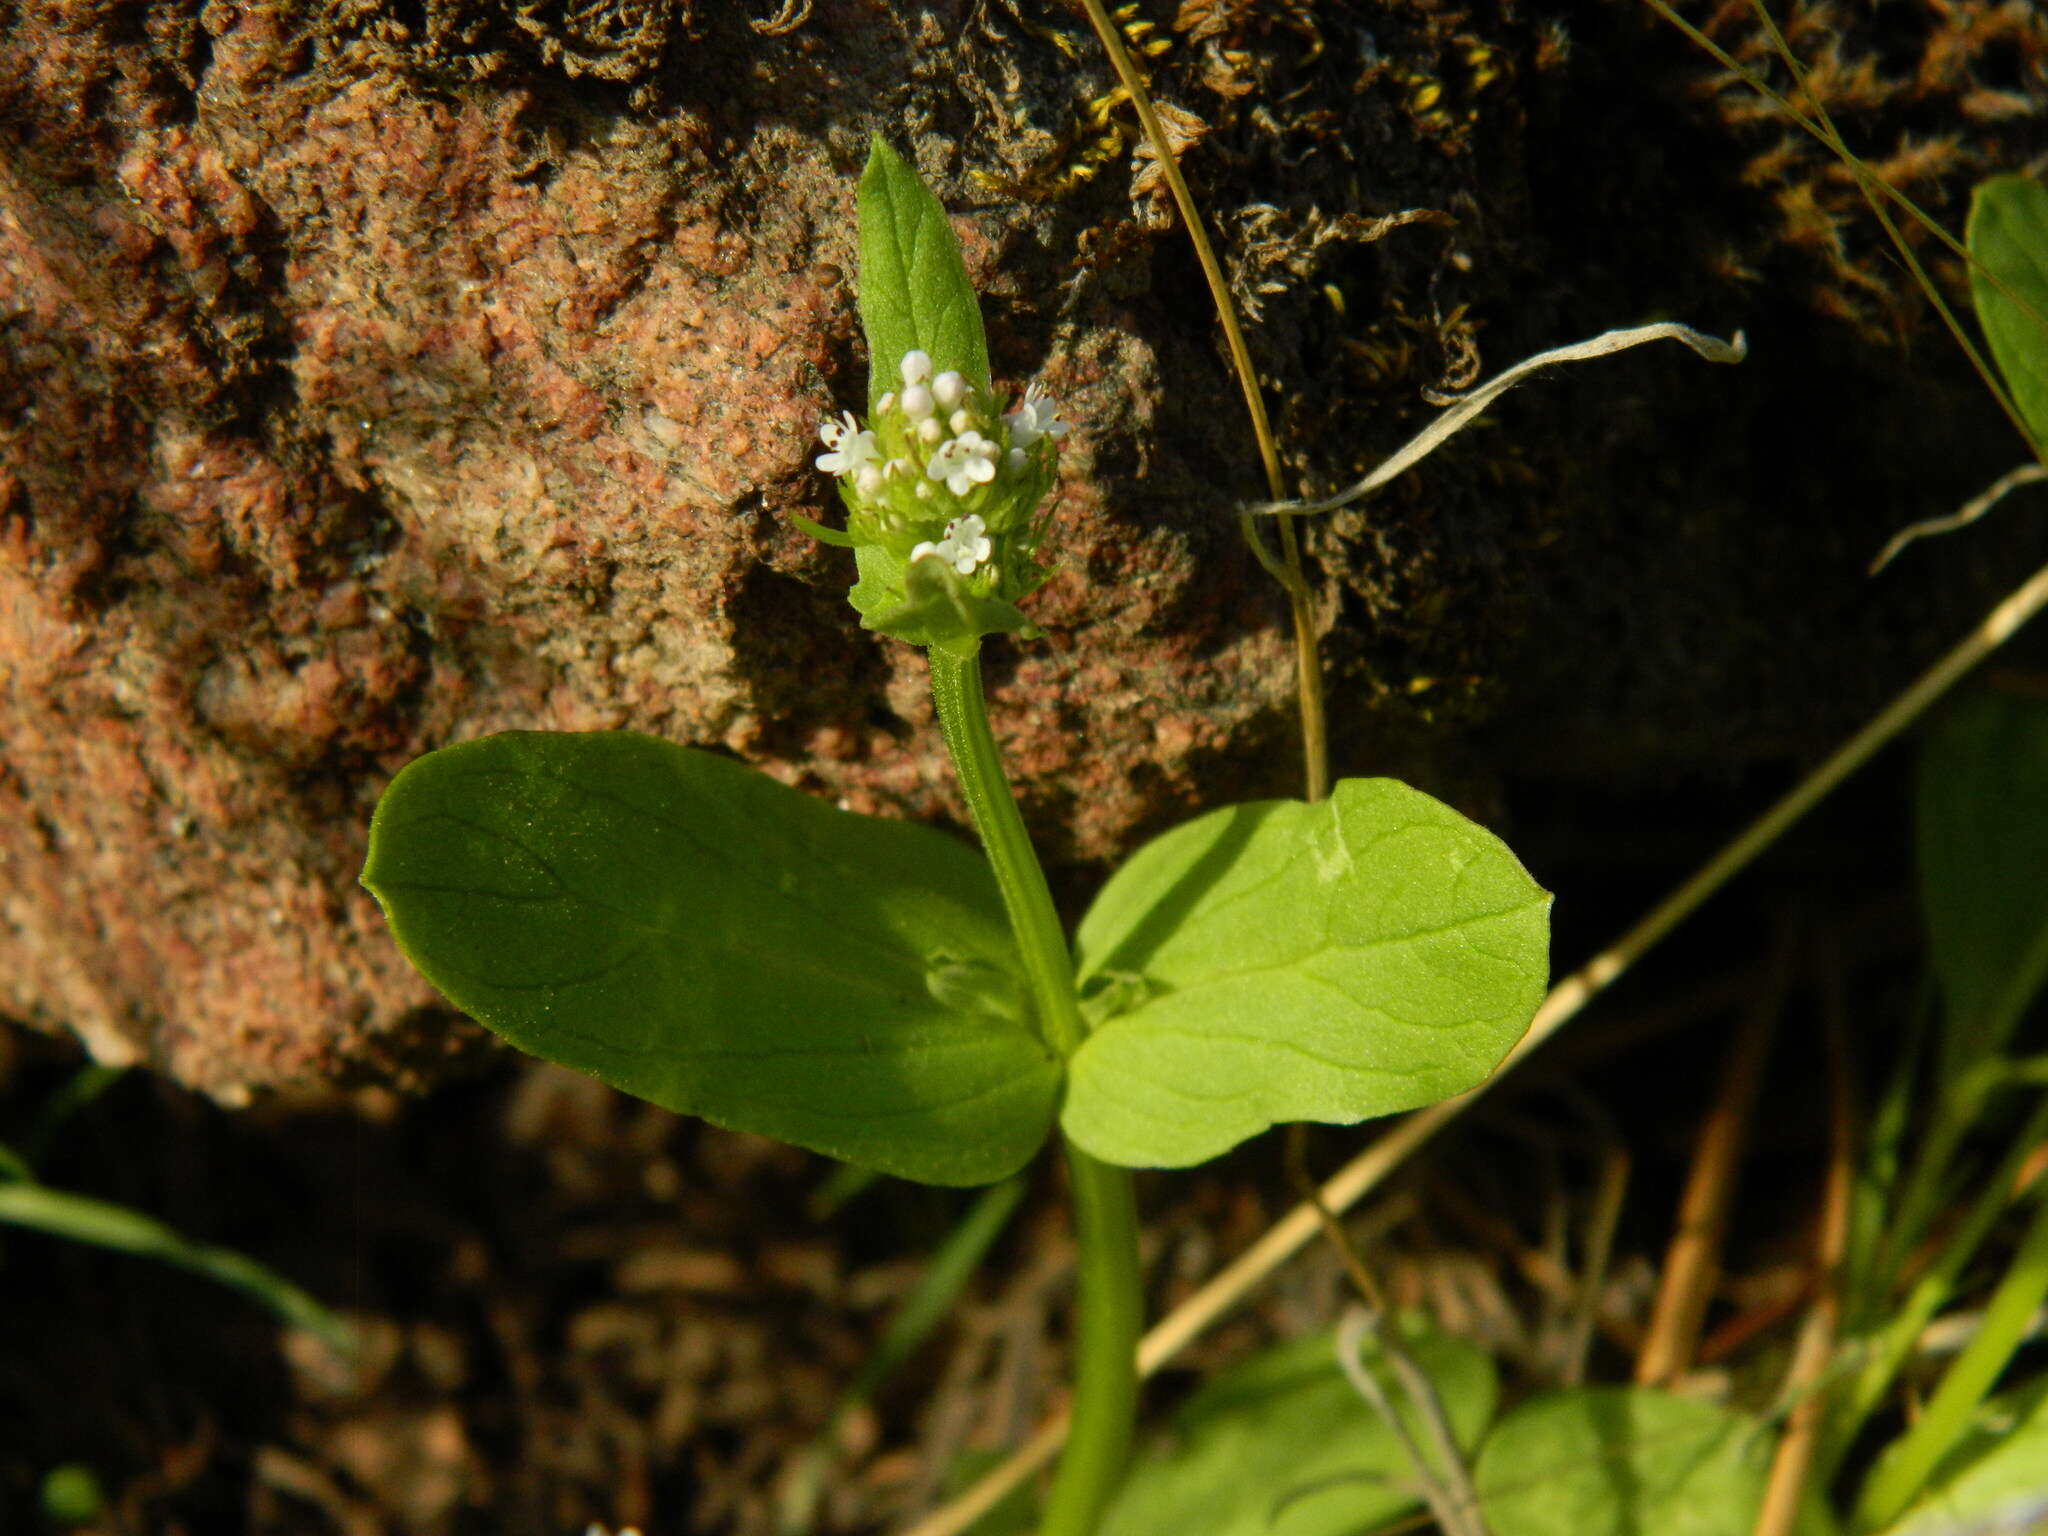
column 377, row 377
column 345, row 428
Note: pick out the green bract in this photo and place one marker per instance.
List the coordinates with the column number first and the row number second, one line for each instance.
column 942, row 487
column 700, row 935
column 1285, row 961
column 2008, row 236
column 914, row 292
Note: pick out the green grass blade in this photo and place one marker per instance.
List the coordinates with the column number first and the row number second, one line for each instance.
column 958, row 1257
column 86, row 1220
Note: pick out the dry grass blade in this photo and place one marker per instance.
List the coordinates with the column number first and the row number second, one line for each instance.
column 1971, row 510
column 1464, row 409
column 1447, row 1490
column 1445, row 1480
column 1794, row 1456
column 1693, row 1261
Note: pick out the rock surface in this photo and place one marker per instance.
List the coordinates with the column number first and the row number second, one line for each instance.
column 376, row 376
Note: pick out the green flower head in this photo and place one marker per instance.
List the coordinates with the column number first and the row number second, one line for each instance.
column 943, row 488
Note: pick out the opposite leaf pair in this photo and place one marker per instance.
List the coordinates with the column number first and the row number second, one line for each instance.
column 700, row 935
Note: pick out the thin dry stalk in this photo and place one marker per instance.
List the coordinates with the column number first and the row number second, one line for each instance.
column 1816, row 1344
column 1607, row 1202
column 1692, row 1264
column 1446, row 1483
column 2026, row 474
column 1308, row 665
column 1454, row 1506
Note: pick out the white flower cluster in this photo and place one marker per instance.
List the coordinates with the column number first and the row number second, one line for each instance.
column 964, row 545
column 938, row 431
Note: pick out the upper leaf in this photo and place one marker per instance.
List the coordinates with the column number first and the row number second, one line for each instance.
column 1370, row 953
column 914, row 293
column 692, row 931
column 1982, row 826
column 2008, row 235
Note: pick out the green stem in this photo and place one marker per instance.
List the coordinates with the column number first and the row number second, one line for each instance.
column 1105, row 1212
column 1041, row 943
column 1902, row 1474
column 1112, row 1315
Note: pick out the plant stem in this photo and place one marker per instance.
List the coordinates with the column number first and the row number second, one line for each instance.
column 1041, row 944
column 1105, row 1347
column 1105, row 1211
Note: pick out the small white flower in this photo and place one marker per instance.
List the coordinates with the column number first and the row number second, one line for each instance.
column 1035, row 417
column 949, row 389
column 886, row 404
column 963, row 462
column 960, row 420
column 851, row 446
column 916, row 366
column 964, row 545
column 917, row 400
column 869, row 479
column 1018, row 458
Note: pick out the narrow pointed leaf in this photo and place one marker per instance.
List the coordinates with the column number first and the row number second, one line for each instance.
column 2008, row 234
column 1982, row 829
column 693, row 932
column 1367, row 954
column 25, row 1203
column 914, row 293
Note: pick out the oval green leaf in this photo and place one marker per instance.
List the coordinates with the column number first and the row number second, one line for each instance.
column 914, row 293
column 1620, row 1461
column 1282, row 1445
column 2008, row 237
column 695, row 933
column 1284, row 961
